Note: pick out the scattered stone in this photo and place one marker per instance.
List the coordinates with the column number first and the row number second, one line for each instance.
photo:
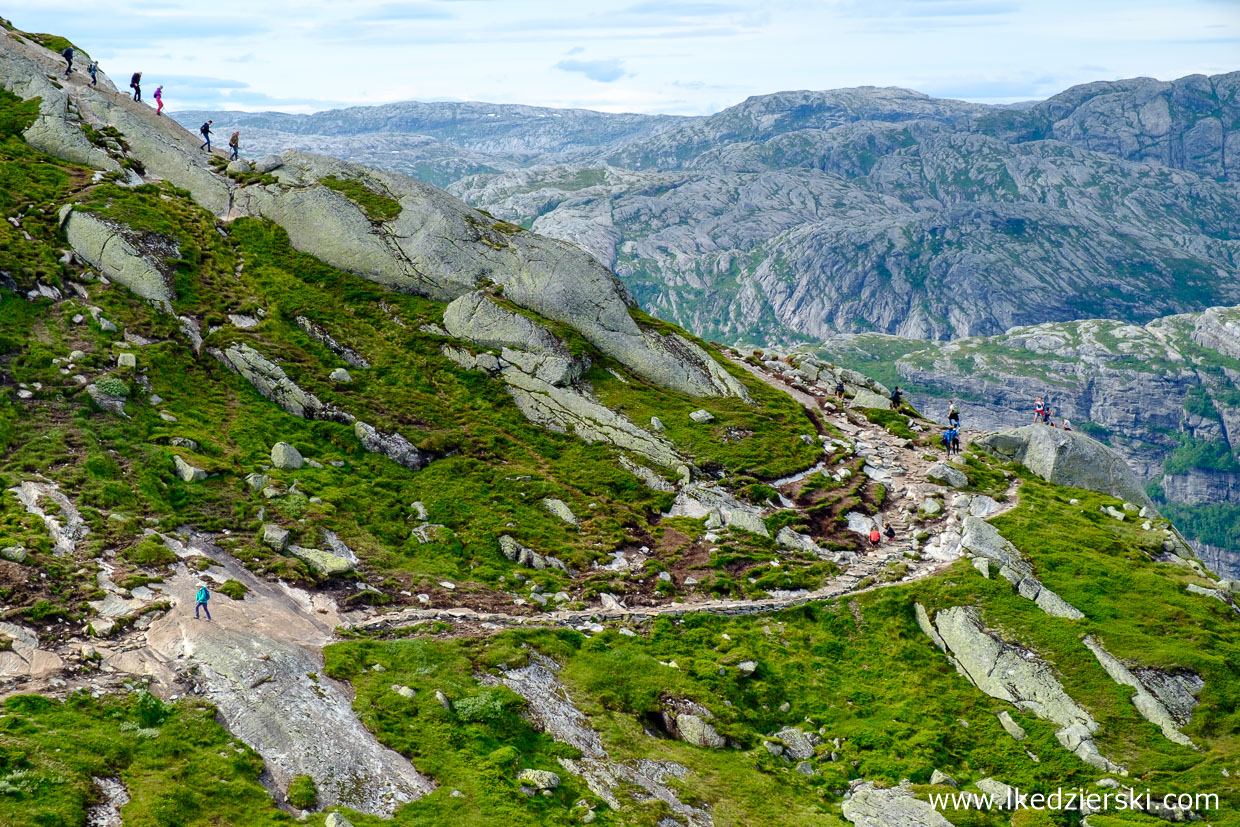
column 403, row 691
column 443, row 699
column 695, row 730
column 1011, row 727
column 946, row 474
column 337, row 820
column 16, row 554
column 126, row 360
column 340, row 376
column 76, row 355
column 939, row 778
column 869, row 806
column 182, row 442
column 286, row 457
column 237, row 167
column 270, row 163
column 805, row 768
column 1003, row 796
column 539, row 779
column 930, row 507
column 747, row 668
column 188, row 472
column 702, row 416
column 324, row 562
column 275, row 537
column 656, row 424
column 560, row 509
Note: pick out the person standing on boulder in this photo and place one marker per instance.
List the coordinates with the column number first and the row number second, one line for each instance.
column 234, row 143
column 94, row 73
column 159, row 100
column 205, row 132
column 135, row 83
column 1039, row 409
column 67, row 54
column 200, row 600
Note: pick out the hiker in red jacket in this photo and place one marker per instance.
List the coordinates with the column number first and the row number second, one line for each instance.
column 159, row 100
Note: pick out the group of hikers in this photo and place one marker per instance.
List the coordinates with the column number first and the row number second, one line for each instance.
column 135, row 83
column 1043, row 414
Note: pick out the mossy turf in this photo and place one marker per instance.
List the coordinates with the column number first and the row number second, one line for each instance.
column 377, row 206
column 179, row 766
column 861, row 670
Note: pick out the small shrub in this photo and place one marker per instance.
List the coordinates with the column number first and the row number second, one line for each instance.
column 113, row 386
column 302, row 793
column 234, row 589
column 149, row 553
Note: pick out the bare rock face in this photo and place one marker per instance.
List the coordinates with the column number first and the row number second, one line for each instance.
column 438, row 247
column 1005, row 671
column 122, row 254
column 1164, row 699
column 1067, row 458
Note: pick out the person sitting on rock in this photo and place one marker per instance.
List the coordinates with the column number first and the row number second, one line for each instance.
column 1067, row 424
column 200, row 600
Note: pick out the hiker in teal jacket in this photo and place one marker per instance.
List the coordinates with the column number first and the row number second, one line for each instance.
column 200, row 600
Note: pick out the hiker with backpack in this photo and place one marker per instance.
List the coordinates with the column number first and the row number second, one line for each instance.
column 135, row 83
column 94, row 73
column 159, row 100
column 955, row 442
column 205, row 132
column 200, row 600
column 896, row 397
column 953, row 415
column 234, row 143
column 839, row 390
column 67, row 54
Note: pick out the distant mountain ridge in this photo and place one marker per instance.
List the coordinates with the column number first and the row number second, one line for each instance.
column 796, row 215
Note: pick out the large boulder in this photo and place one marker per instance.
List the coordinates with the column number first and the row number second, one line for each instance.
column 871, row 806
column 439, row 247
column 124, row 255
column 1067, row 458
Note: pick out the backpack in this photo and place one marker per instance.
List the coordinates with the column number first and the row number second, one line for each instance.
column 874, row 535
column 203, row 595
column 68, row 52
column 204, row 129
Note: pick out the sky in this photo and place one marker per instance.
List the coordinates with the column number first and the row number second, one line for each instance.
column 686, row 57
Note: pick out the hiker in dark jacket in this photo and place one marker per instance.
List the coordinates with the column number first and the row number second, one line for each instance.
column 94, row 73
column 953, row 415
column 895, row 399
column 955, row 440
column 205, row 132
column 67, row 54
column 135, row 83
column 234, row 143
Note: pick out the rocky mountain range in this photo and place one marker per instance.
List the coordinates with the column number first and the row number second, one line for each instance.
column 796, row 215
column 1166, row 395
column 329, row 499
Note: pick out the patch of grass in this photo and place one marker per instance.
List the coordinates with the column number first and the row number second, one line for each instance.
column 302, row 793
column 149, row 554
column 377, row 206
column 236, row 590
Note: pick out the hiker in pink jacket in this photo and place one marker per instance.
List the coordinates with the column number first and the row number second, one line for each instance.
column 159, row 100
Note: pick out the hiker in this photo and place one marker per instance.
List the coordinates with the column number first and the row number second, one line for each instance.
column 67, row 54
column 839, row 390
column 895, row 399
column 94, row 73
column 1067, row 424
column 159, row 100
column 205, row 132
column 876, row 536
column 1039, row 409
column 234, row 142
column 200, row 600
column 135, row 83
column 889, row 532
column 946, row 439
column 955, row 441
column 953, row 415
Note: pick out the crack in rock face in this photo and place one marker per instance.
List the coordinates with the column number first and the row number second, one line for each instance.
column 552, row 711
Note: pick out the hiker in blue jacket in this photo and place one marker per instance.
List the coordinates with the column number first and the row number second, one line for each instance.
column 200, row 600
